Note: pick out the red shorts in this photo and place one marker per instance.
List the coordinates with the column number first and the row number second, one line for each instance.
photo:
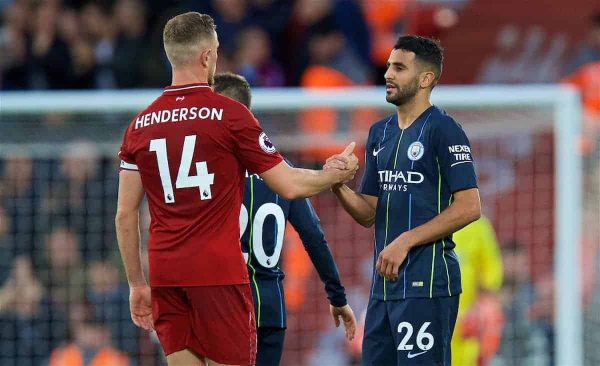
column 216, row 322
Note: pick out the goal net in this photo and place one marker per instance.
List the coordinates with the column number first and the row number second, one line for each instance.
column 61, row 279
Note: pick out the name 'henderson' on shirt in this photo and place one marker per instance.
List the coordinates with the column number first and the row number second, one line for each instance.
column 178, row 115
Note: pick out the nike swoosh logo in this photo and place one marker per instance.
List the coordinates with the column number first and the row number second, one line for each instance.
column 375, row 152
column 413, row 355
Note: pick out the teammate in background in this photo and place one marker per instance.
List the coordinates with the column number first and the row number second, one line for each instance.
column 480, row 319
column 188, row 152
column 419, row 187
column 262, row 234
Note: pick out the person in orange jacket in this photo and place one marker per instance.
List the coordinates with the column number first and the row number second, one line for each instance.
column 91, row 345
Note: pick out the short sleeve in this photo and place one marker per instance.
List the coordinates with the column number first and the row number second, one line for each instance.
column 454, row 156
column 370, row 184
column 252, row 146
column 125, row 153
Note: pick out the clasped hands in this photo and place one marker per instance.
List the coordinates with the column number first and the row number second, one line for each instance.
column 345, row 164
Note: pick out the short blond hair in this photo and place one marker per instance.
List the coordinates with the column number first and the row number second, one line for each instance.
column 183, row 35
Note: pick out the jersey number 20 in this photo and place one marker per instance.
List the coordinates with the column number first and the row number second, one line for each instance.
column 203, row 180
column 267, row 261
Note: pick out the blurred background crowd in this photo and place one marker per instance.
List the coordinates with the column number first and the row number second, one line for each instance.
column 103, row 44
column 63, row 298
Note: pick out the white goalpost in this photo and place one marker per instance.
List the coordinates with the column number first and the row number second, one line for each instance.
column 490, row 112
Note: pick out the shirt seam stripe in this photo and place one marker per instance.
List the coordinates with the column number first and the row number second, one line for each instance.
column 250, row 241
column 387, row 214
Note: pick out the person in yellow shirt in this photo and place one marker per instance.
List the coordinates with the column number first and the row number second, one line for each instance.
column 479, row 324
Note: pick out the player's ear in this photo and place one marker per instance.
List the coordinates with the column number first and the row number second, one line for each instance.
column 205, row 56
column 426, row 79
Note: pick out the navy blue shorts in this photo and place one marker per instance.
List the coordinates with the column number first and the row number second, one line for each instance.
column 415, row 331
column 270, row 346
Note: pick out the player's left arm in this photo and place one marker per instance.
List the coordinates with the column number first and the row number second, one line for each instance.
column 456, row 171
column 464, row 209
column 306, row 222
column 131, row 193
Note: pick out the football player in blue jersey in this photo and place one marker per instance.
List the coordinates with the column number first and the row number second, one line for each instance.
column 419, row 187
column 262, row 223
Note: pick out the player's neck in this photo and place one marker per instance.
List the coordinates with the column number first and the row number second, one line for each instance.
column 410, row 111
column 183, row 76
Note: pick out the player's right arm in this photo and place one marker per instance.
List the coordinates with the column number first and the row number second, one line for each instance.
column 258, row 155
column 131, row 193
column 360, row 206
column 293, row 183
column 130, row 197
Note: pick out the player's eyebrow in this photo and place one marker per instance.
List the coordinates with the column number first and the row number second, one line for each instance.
column 397, row 64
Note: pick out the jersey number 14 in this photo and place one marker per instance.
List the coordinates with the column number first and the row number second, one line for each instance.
column 203, row 180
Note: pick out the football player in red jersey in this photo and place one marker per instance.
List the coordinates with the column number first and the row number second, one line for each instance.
column 188, row 152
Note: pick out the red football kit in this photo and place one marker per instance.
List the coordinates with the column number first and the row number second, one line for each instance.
column 192, row 147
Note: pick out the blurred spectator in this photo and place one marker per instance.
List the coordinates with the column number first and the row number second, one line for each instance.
column 590, row 50
column 309, row 18
column 350, row 18
column 98, row 25
column 523, row 342
column 253, row 58
column 81, row 51
column 108, row 297
column 386, row 20
column 480, row 319
column 542, row 311
column 20, row 198
column 306, row 14
column 65, row 278
column 130, row 53
column 76, row 198
column 50, row 59
column 91, row 343
column 30, row 326
column 231, row 17
column 14, row 73
column 332, row 64
column 584, row 74
column 272, row 16
column 7, row 248
column 587, row 79
column 328, row 47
